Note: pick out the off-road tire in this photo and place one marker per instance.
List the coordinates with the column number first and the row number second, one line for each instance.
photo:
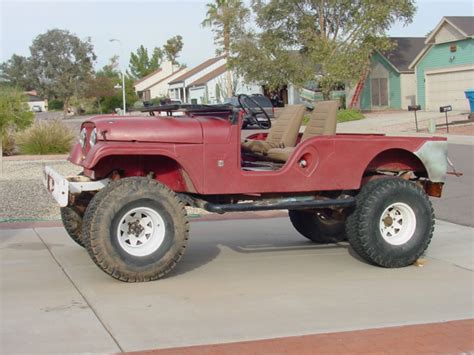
column 363, row 225
column 308, row 224
column 72, row 222
column 102, row 218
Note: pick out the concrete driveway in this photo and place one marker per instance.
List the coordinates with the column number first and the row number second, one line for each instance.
column 240, row 280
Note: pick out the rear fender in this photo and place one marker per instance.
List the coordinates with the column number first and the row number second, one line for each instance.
column 397, row 160
column 434, row 155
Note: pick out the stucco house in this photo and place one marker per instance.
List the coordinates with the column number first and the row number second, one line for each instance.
column 207, row 83
column 212, row 89
column 390, row 83
column 179, row 87
column 155, row 84
column 445, row 67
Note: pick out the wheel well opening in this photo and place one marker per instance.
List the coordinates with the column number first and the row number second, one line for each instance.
column 162, row 168
column 396, row 160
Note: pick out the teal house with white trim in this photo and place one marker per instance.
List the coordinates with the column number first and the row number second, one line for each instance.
column 390, row 83
column 445, row 67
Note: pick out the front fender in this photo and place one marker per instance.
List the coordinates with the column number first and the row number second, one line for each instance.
column 434, row 156
column 104, row 149
column 186, row 156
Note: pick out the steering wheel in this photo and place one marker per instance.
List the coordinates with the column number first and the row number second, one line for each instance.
column 244, row 103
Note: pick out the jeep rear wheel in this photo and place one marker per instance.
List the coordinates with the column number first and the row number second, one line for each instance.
column 392, row 224
column 319, row 226
column 136, row 229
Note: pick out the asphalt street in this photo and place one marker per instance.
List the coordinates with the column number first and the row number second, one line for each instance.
column 239, row 280
column 457, row 202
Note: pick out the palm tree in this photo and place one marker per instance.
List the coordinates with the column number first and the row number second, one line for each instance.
column 227, row 19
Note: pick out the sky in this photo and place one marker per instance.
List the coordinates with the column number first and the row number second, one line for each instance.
column 152, row 22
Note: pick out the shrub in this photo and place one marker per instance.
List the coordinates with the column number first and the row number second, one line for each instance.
column 55, row 105
column 349, row 115
column 14, row 115
column 8, row 143
column 109, row 104
column 138, row 105
column 45, row 137
column 156, row 100
column 84, row 106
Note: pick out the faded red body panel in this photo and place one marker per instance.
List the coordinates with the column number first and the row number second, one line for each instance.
column 214, row 166
column 334, row 163
column 149, row 129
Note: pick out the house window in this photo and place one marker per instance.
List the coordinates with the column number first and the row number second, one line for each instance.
column 453, row 47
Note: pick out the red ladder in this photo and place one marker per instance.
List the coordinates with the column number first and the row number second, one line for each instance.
column 358, row 90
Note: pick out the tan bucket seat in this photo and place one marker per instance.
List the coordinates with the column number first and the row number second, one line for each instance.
column 323, row 121
column 283, row 133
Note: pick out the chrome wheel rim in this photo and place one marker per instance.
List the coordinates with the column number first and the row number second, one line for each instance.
column 141, row 231
column 397, row 223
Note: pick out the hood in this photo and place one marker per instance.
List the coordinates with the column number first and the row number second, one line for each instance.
column 148, row 129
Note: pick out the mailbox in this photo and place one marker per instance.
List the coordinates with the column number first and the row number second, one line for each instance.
column 447, row 108
column 415, row 108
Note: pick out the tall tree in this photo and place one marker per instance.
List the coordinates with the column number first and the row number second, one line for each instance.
column 15, row 72
column 327, row 40
column 61, row 63
column 103, row 87
column 111, row 69
column 172, row 48
column 100, row 87
column 141, row 64
column 227, row 19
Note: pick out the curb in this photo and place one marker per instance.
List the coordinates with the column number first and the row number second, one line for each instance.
column 36, row 157
column 450, row 337
column 196, row 218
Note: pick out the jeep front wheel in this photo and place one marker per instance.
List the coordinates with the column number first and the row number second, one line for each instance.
column 72, row 222
column 392, row 223
column 136, row 229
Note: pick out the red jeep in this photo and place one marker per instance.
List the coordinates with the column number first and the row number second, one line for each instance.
column 127, row 208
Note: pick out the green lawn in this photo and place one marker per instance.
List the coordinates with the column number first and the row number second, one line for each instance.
column 342, row 116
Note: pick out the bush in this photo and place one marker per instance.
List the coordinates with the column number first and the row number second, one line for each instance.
column 55, row 105
column 138, row 105
column 84, row 106
column 15, row 115
column 109, row 104
column 349, row 115
column 45, row 137
column 8, row 143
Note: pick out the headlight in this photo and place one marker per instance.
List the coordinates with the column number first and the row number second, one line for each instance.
column 82, row 138
column 93, row 138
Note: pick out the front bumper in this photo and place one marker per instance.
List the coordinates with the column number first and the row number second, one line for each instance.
column 64, row 188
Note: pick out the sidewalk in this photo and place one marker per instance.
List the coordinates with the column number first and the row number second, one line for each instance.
column 240, row 280
column 403, row 123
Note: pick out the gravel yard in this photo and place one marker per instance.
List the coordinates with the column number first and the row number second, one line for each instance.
column 23, row 196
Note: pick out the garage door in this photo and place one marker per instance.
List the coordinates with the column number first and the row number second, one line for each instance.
column 447, row 88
